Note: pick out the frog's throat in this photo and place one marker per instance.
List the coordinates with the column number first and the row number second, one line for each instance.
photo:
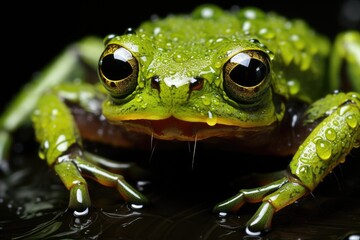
column 175, row 129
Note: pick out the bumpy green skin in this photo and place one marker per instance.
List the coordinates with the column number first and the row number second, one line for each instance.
column 178, row 50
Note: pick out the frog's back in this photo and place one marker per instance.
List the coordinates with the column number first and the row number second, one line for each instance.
column 299, row 55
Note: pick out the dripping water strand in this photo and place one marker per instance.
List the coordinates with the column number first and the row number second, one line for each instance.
column 153, row 143
column 193, row 153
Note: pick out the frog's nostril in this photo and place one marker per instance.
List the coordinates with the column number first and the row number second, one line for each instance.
column 155, row 83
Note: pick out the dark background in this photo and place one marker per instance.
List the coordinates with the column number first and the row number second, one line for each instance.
column 34, row 32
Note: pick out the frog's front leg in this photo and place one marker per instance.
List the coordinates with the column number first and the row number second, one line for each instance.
column 71, row 65
column 61, row 146
column 325, row 147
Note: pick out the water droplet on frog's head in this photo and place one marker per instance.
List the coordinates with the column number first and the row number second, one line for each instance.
column 130, row 30
column 270, row 53
column 108, row 38
column 178, row 58
column 323, row 149
column 254, row 40
column 54, row 112
column 156, row 31
column 205, row 100
column 294, row 86
column 266, row 33
column 207, row 12
column 250, row 14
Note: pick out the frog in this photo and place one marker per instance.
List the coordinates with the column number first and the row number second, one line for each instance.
column 235, row 78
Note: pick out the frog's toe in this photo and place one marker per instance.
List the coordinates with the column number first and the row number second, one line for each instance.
column 79, row 199
column 232, row 204
column 261, row 220
column 129, row 194
column 110, row 179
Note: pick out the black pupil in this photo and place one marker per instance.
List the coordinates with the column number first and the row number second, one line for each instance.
column 248, row 73
column 115, row 69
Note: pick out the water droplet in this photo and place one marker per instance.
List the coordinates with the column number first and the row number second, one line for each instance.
column 205, row 100
column 211, row 120
column 266, row 33
column 298, row 43
column 303, row 169
column 216, row 101
column 294, row 86
column 250, row 14
column 246, row 26
column 286, row 52
column 61, row 143
column 306, row 61
column 330, row 134
column 323, row 149
column 157, row 30
column 54, row 112
column 43, row 149
column 178, row 58
column 270, row 53
column 351, row 121
column 344, row 109
column 218, row 64
column 139, row 98
column 220, row 39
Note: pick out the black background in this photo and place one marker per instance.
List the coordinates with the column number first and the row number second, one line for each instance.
column 34, row 32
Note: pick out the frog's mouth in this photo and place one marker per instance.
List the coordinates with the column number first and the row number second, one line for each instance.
column 175, row 129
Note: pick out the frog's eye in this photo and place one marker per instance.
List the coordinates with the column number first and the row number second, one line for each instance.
column 245, row 75
column 118, row 70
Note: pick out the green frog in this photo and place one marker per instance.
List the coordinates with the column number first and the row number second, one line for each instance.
column 243, row 80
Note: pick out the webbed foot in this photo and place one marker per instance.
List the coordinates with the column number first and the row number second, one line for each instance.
column 72, row 172
column 274, row 196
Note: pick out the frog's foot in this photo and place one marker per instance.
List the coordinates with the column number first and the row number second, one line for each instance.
column 72, row 171
column 274, row 197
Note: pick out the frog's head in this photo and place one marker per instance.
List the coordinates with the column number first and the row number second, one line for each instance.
column 177, row 79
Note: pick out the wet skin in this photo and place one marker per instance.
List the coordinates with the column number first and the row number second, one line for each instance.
column 245, row 80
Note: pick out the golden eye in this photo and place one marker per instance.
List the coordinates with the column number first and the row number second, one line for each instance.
column 245, row 75
column 118, row 70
